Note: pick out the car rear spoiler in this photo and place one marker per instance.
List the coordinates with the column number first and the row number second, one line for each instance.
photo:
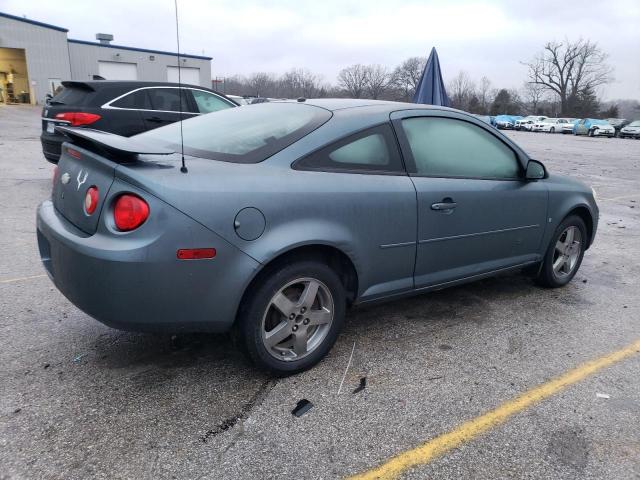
column 112, row 145
column 79, row 85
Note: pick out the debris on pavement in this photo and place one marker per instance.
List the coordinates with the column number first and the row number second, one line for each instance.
column 362, row 386
column 302, row 407
column 347, row 369
column 603, row 395
column 79, row 357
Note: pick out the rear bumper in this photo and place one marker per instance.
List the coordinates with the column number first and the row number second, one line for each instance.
column 51, row 146
column 136, row 283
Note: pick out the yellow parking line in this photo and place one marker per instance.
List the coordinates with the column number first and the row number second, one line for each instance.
column 440, row 445
column 19, row 279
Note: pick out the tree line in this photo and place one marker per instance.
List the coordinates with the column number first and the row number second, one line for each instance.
column 561, row 81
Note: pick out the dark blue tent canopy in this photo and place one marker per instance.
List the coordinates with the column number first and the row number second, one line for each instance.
column 430, row 90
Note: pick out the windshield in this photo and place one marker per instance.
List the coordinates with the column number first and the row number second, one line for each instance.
column 635, row 124
column 242, row 135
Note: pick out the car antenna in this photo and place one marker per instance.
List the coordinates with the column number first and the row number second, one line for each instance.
column 183, row 168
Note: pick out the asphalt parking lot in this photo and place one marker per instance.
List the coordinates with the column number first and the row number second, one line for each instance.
column 80, row 400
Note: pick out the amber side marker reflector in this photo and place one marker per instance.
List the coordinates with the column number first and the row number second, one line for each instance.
column 196, row 253
column 74, row 153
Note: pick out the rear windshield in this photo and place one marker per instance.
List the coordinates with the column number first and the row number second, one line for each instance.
column 71, row 96
column 243, row 135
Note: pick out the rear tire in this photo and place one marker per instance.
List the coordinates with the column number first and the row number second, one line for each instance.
column 293, row 318
column 553, row 130
column 564, row 254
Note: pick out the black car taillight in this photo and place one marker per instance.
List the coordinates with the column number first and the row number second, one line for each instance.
column 77, row 119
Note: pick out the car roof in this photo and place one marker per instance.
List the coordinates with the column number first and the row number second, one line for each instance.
column 96, row 85
column 334, row 104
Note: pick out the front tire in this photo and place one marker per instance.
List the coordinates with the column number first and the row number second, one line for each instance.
column 293, row 317
column 564, row 254
column 553, row 130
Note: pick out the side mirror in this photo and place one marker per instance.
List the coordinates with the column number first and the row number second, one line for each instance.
column 535, row 170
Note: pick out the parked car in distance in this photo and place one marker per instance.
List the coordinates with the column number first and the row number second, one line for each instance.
column 123, row 107
column 550, row 125
column 274, row 230
column 506, row 122
column 484, row 118
column 630, row 131
column 529, row 120
column 528, row 125
column 568, row 128
column 238, row 99
column 594, row 128
column 618, row 123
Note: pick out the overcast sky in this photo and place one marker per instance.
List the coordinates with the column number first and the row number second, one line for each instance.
column 481, row 37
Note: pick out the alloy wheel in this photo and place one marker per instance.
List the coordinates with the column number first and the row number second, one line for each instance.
column 297, row 319
column 567, row 252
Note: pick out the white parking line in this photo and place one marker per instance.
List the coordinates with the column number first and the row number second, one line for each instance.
column 19, row 279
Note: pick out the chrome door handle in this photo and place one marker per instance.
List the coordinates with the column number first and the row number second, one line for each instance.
column 444, row 206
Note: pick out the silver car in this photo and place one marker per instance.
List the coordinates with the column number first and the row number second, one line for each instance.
column 281, row 216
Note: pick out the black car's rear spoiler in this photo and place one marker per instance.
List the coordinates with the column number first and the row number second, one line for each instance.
column 114, row 146
column 79, row 85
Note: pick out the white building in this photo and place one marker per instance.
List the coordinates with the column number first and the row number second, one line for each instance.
column 35, row 57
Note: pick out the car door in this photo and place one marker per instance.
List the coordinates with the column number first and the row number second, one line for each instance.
column 167, row 106
column 476, row 213
column 123, row 115
column 581, row 128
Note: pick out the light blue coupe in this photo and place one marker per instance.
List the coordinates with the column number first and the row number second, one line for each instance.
column 286, row 213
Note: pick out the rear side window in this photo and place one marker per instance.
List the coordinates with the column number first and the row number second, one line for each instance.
column 242, row 135
column 445, row 147
column 373, row 150
column 138, row 100
column 208, row 102
column 168, row 99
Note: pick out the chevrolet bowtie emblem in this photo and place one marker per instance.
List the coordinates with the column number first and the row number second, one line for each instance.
column 81, row 179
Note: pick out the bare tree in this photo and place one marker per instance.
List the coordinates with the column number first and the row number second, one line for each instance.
column 407, row 76
column 376, row 80
column 485, row 94
column 261, row 84
column 532, row 94
column 353, row 80
column 300, row 82
column 570, row 69
column 460, row 90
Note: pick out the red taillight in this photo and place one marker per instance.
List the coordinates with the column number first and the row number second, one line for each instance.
column 195, row 253
column 129, row 212
column 55, row 174
column 91, row 200
column 77, row 119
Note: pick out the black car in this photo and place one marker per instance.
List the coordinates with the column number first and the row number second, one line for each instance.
column 124, row 108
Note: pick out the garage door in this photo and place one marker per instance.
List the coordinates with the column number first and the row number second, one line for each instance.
column 118, row 70
column 189, row 75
